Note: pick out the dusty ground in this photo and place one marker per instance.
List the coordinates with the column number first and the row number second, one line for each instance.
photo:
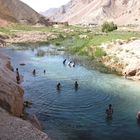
column 31, row 37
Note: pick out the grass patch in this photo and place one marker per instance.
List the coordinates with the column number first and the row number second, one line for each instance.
column 99, row 52
column 69, row 36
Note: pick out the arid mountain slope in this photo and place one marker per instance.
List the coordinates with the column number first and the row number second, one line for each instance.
column 17, row 11
column 97, row 11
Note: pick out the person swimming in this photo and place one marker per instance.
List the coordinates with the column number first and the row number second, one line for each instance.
column 34, row 72
column 73, row 64
column 70, row 63
column 125, row 75
column 58, row 86
column 109, row 111
column 44, row 71
column 17, row 76
column 64, row 62
column 76, row 85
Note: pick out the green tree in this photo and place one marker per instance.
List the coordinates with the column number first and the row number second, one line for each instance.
column 108, row 26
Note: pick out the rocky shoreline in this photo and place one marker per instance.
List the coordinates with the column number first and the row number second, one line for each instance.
column 123, row 57
column 11, row 108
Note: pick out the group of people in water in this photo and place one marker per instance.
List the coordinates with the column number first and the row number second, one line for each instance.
column 70, row 63
column 76, row 86
column 34, row 72
column 109, row 110
column 18, row 79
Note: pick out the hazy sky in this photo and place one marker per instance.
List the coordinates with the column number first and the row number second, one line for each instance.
column 42, row 5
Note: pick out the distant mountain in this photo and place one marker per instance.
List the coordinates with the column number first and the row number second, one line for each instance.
column 50, row 12
column 96, row 11
column 17, row 11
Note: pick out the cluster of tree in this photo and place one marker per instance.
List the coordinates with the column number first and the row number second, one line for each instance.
column 108, row 27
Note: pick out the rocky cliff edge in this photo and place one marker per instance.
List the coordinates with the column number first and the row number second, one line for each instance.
column 11, row 107
column 11, row 94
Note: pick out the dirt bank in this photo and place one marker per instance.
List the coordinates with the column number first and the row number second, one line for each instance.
column 30, row 37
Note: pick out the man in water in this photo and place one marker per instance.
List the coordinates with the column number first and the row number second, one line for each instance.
column 58, row 86
column 44, row 71
column 125, row 75
column 70, row 63
column 34, row 72
column 76, row 85
column 17, row 76
column 64, row 62
column 109, row 111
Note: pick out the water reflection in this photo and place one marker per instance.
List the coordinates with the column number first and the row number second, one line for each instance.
column 109, row 121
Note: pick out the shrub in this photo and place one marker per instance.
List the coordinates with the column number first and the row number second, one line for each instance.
column 99, row 52
column 109, row 26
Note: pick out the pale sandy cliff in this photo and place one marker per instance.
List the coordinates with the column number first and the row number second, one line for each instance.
column 124, row 57
column 11, row 94
column 122, row 12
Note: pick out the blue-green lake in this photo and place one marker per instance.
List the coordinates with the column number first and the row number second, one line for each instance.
column 71, row 114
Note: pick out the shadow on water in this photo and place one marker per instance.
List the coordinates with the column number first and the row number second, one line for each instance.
column 109, row 121
column 138, row 122
column 81, row 135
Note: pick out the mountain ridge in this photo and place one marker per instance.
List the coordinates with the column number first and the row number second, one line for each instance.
column 19, row 12
column 122, row 12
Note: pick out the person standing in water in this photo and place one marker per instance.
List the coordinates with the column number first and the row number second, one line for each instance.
column 34, row 72
column 76, row 85
column 64, row 62
column 44, row 71
column 17, row 76
column 125, row 75
column 109, row 111
column 58, row 86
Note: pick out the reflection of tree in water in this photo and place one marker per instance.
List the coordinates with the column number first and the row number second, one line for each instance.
column 40, row 53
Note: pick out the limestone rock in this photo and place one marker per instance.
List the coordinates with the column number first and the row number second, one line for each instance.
column 124, row 55
column 12, row 128
column 93, row 12
column 11, row 94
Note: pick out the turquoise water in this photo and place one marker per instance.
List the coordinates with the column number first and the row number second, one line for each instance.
column 71, row 114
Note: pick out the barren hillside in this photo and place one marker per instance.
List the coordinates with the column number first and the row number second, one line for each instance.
column 17, row 11
column 122, row 12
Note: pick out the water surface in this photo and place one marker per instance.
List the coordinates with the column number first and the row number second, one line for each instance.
column 71, row 114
